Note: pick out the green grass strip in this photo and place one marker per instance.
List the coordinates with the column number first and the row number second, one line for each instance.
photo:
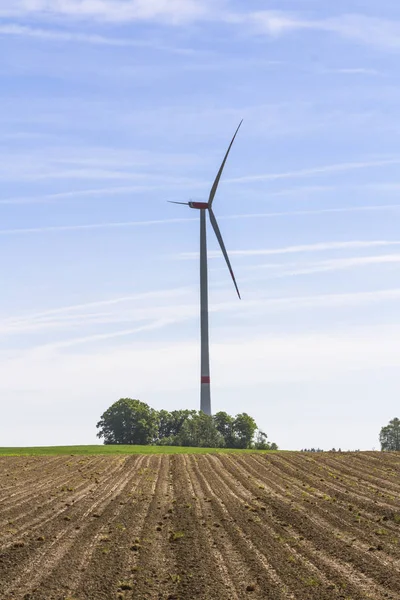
column 119, row 449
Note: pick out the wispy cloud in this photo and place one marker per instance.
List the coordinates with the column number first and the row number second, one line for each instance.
column 137, row 312
column 149, row 223
column 279, row 271
column 156, row 324
column 103, row 191
column 162, row 315
column 316, row 211
column 89, row 173
column 114, row 11
column 106, row 170
column 58, row 35
column 94, row 173
column 346, row 263
column 323, row 170
column 87, row 306
column 374, row 31
column 134, row 167
column 367, row 30
column 360, row 28
column 333, row 300
column 263, row 306
column 91, row 226
column 320, row 247
column 354, row 71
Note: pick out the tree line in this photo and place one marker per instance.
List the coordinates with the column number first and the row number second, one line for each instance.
column 339, row 450
column 130, row 421
column 389, row 438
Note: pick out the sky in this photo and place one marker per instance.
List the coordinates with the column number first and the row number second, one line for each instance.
column 111, row 108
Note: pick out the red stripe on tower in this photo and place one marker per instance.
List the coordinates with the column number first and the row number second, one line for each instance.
column 205, row 379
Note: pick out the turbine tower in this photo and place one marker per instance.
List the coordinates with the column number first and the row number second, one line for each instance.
column 203, row 207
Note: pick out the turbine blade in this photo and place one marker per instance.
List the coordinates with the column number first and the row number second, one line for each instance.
column 221, row 243
column 172, row 202
column 218, row 177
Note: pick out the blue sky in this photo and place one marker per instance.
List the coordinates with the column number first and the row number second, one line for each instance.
column 108, row 109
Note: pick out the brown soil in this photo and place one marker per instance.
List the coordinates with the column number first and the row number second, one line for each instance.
column 214, row 527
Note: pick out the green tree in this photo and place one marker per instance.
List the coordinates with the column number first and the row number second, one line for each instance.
column 244, row 428
column 170, row 423
column 260, row 441
column 199, row 431
column 224, row 424
column 128, row 421
column 389, row 436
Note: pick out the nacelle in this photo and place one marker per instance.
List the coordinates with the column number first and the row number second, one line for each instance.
column 199, row 205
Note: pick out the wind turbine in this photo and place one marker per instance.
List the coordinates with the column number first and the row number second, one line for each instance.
column 203, row 207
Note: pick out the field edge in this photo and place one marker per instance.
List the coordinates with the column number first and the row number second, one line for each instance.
column 119, row 449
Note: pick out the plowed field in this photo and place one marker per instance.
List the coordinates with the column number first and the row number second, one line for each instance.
column 280, row 526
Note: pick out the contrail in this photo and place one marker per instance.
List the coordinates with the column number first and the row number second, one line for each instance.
column 91, row 226
column 319, row 247
column 17, row 30
column 121, row 224
column 337, row 168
